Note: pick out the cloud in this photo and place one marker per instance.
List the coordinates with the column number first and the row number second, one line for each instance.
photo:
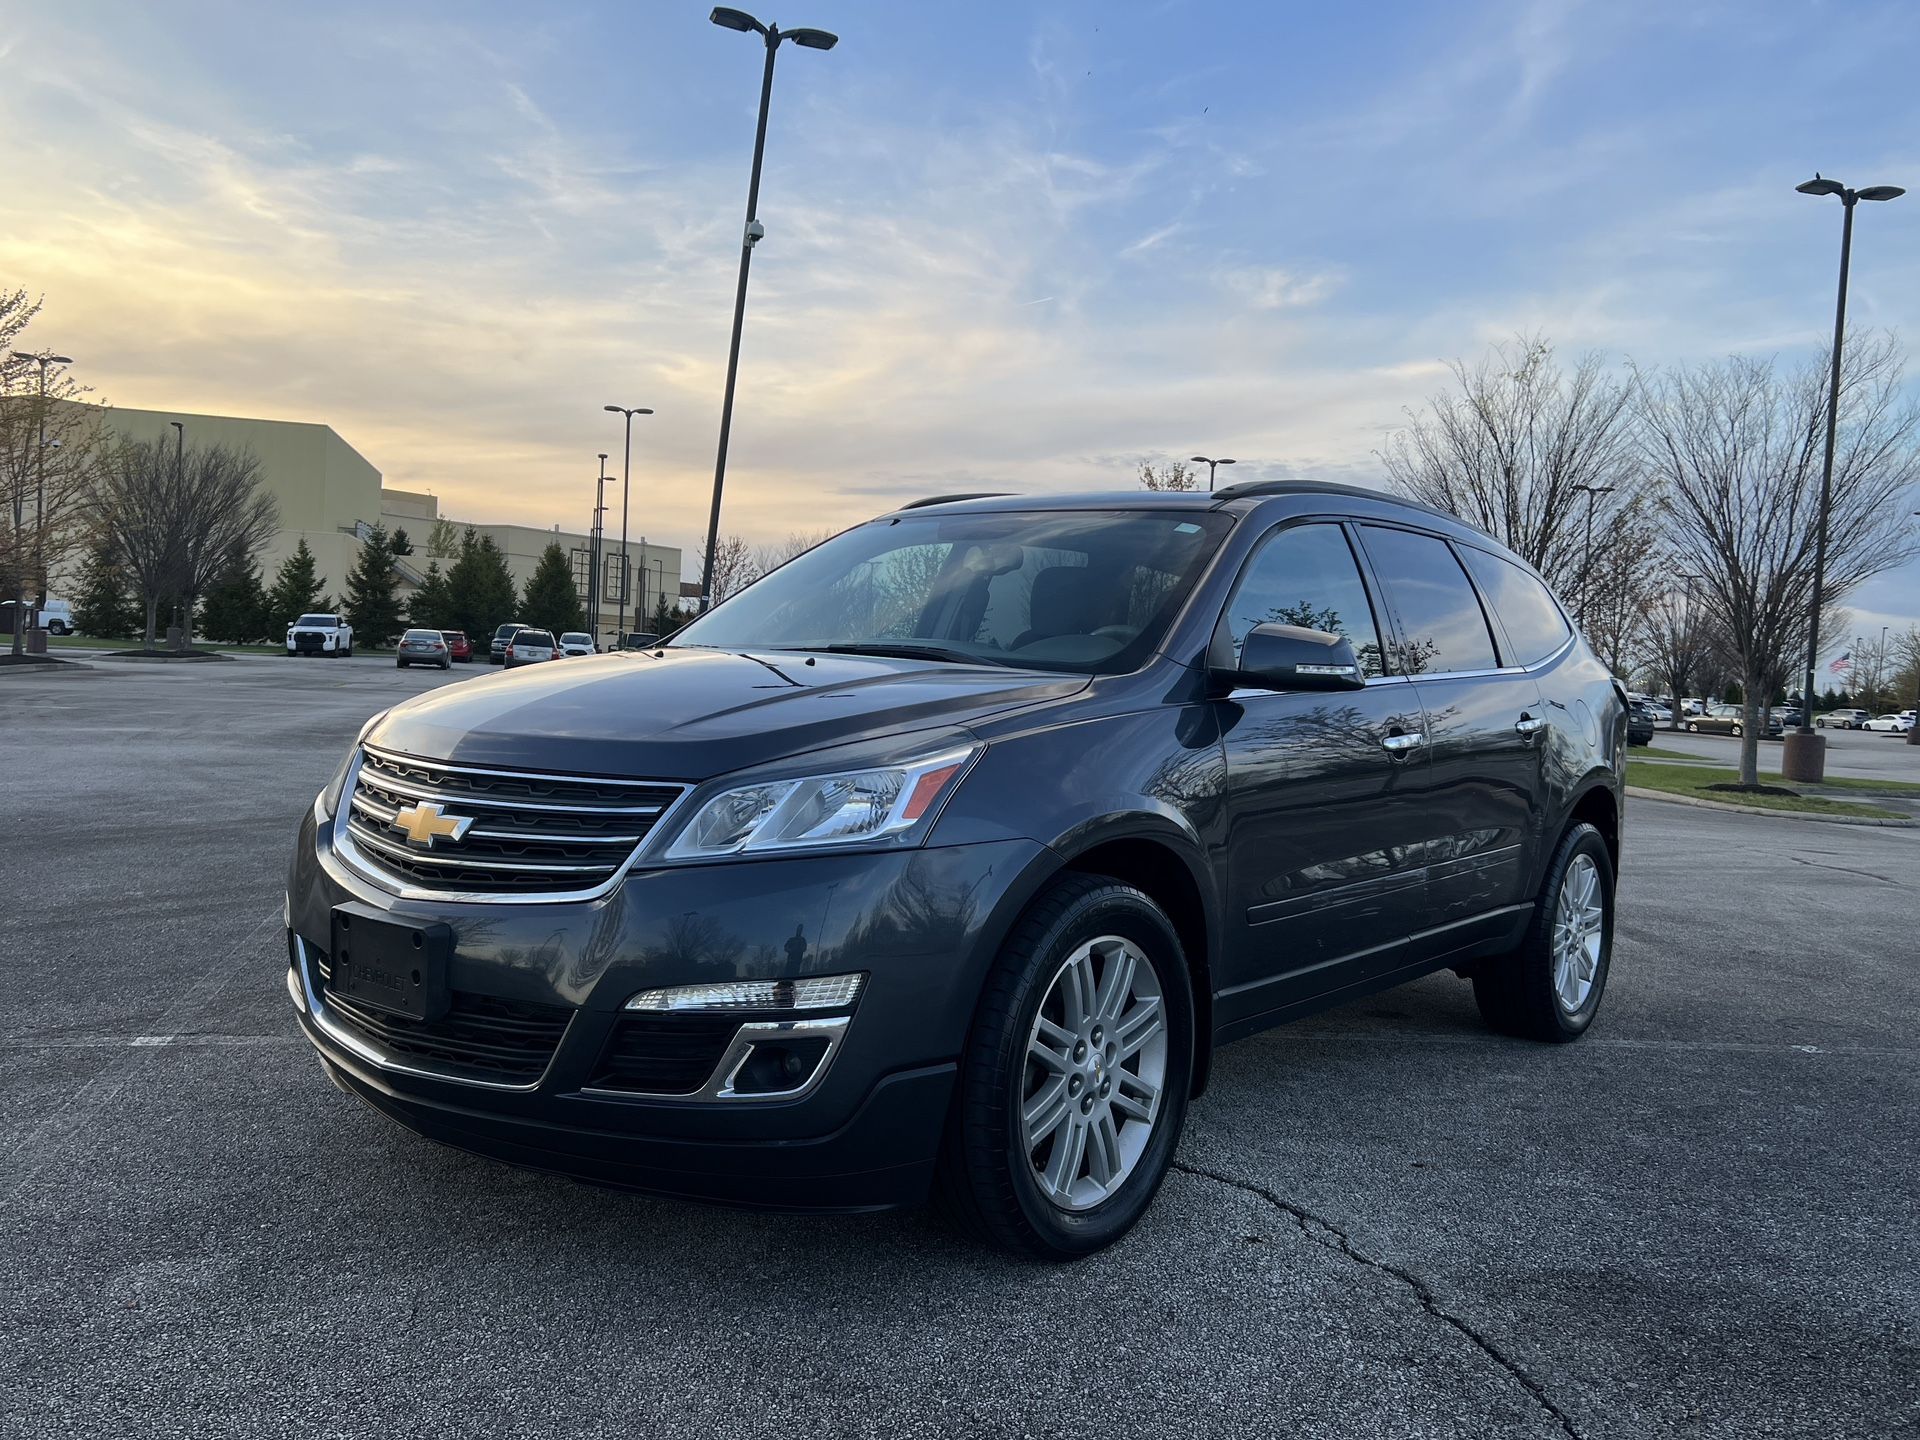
column 1272, row 288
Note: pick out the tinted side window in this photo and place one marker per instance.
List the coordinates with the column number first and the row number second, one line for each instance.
column 1443, row 628
column 1307, row 576
column 1535, row 627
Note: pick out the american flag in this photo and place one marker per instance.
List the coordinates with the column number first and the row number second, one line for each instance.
column 1844, row 662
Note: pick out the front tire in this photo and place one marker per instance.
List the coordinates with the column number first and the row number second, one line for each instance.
column 1737, row 732
column 1551, row 986
column 1073, row 1086
column 1693, row 727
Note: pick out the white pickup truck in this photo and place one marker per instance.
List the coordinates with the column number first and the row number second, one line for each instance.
column 320, row 635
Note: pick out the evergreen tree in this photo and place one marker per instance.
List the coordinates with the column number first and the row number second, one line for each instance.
column 398, row 543
column 296, row 591
column 106, row 608
column 666, row 616
column 480, row 594
column 552, row 601
column 371, row 606
column 236, row 607
column 431, row 606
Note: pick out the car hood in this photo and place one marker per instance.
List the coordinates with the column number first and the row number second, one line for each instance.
column 690, row 714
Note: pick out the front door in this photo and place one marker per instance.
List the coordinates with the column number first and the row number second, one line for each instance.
column 1325, row 874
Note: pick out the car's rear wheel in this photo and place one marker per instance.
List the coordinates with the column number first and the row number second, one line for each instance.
column 1551, row 986
column 1693, row 727
column 1737, row 730
column 1073, row 1086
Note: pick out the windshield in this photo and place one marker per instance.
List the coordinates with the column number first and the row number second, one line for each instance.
column 318, row 622
column 1088, row 591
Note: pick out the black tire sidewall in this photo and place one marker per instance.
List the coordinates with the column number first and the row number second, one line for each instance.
column 1101, row 907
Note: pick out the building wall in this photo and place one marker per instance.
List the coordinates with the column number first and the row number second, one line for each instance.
column 653, row 566
column 322, row 484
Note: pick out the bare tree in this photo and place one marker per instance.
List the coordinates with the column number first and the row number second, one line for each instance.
column 1510, row 447
column 46, row 445
column 733, row 567
column 768, row 558
column 1173, row 475
column 1738, row 445
column 1679, row 647
column 1907, row 646
column 135, row 507
column 223, row 512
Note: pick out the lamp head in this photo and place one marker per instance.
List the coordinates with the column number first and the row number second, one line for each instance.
column 1820, row 185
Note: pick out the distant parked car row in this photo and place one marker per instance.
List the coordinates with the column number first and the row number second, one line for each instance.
column 1730, row 720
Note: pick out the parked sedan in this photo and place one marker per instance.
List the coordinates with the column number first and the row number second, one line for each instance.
column 458, row 646
column 423, row 647
column 576, row 642
column 1894, row 723
column 1640, row 722
column 529, row 647
column 1727, row 720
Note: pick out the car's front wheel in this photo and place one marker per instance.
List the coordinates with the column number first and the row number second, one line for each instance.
column 1693, row 727
column 1550, row 987
column 1737, row 731
column 1073, row 1087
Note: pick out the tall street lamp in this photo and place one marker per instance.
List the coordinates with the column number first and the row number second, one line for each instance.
column 1804, row 754
column 39, row 504
column 729, row 19
column 1211, row 465
column 1586, row 557
column 626, row 493
column 1690, row 641
column 593, row 550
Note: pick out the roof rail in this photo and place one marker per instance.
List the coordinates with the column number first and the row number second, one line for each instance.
column 951, row 499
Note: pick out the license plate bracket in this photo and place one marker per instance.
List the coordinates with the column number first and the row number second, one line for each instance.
column 399, row 966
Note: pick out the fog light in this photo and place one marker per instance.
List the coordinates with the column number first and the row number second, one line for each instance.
column 783, row 1065
column 811, row 992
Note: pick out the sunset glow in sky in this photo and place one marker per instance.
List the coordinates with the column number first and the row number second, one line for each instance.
column 1008, row 246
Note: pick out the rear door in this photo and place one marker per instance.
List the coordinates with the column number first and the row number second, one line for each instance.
column 1324, row 872
column 1486, row 730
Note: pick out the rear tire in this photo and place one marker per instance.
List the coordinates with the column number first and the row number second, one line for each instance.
column 1693, row 727
column 1550, row 987
column 1073, row 1085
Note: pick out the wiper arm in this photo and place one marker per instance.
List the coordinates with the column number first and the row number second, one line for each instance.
column 903, row 650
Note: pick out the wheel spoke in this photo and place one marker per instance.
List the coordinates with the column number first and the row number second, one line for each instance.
column 1077, row 991
column 1141, row 1024
column 1046, row 1110
column 1133, row 1096
column 1063, row 1166
column 1115, row 985
column 1103, row 1150
column 1051, row 1047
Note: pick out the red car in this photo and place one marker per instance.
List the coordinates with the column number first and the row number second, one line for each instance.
column 458, row 646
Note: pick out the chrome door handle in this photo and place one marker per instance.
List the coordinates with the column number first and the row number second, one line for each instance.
column 1528, row 725
column 1400, row 744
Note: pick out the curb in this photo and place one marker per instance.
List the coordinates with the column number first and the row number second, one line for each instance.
column 1639, row 792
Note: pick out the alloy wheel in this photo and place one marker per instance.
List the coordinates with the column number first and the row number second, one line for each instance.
column 1579, row 931
column 1096, row 1067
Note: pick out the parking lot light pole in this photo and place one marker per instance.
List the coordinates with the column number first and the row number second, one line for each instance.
column 1586, row 555
column 626, row 495
column 1804, row 755
column 730, row 19
column 1211, row 465
column 594, row 582
column 39, row 506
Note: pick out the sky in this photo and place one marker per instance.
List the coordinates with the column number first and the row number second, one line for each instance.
column 1008, row 246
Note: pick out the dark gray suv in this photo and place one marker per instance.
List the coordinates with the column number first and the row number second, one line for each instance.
column 945, row 856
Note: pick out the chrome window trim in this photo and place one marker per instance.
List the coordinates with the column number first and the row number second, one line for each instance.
column 316, row 1011
column 356, row 863
column 719, row 1085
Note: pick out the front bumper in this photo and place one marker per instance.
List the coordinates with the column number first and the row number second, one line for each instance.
column 922, row 925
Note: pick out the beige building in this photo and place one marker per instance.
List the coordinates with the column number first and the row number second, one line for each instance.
column 330, row 496
column 650, row 568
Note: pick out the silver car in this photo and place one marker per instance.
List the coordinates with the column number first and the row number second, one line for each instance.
column 530, row 647
column 423, row 647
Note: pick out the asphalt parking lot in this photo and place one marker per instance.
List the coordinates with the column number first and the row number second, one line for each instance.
column 1699, row 1221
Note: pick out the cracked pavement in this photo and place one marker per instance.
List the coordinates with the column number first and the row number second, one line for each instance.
column 1385, row 1221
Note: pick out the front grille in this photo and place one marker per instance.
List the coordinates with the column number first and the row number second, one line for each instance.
column 528, row 833
column 309, row 642
column 665, row 1054
column 482, row 1036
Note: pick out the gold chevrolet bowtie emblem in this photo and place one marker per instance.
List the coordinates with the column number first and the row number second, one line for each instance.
column 424, row 823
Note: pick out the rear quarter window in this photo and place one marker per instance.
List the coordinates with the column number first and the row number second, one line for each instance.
column 1528, row 612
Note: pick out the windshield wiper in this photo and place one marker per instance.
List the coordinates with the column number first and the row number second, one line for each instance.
column 898, row 649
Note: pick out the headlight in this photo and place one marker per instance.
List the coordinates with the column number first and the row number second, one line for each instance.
column 327, row 802
column 888, row 804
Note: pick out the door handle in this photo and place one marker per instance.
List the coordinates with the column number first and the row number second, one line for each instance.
column 1529, row 725
column 1400, row 744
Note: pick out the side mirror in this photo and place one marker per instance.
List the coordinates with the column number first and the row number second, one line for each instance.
column 1292, row 657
